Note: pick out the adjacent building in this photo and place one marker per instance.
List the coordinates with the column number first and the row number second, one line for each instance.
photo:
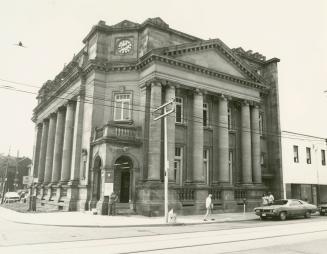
column 96, row 133
column 304, row 167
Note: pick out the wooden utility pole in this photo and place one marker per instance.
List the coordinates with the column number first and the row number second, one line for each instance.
column 6, row 179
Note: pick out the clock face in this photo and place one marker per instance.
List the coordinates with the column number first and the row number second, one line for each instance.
column 124, row 46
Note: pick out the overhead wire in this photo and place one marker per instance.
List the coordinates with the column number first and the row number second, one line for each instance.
column 212, row 123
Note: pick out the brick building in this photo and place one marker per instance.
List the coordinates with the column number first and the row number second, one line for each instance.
column 95, row 131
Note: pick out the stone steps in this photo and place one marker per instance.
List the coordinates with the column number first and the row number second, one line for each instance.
column 124, row 209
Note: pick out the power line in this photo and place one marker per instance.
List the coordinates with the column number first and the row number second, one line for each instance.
column 215, row 123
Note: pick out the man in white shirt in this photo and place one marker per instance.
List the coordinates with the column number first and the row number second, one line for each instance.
column 209, row 207
column 270, row 199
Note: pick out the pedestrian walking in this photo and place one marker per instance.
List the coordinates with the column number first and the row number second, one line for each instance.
column 113, row 198
column 270, row 199
column 209, row 207
column 264, row 199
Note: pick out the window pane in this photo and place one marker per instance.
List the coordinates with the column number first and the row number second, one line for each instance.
column 126, row 111
column 178, row 113
column 118, row 112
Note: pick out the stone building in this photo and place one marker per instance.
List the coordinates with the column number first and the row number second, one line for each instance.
column 96, row 133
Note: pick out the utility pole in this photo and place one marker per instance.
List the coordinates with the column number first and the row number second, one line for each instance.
column 6, row 178
column 166, row 162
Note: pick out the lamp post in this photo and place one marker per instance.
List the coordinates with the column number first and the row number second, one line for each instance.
column 166, row 162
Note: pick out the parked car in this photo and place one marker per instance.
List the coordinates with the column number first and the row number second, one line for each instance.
column 285, row 208
column 322, row 209
column 11, row 197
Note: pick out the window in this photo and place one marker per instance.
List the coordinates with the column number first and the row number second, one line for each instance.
column 229, row 118
column 206, row 165
column 230, row 163
column 323, row 157
column 263, row 159
column 308, row 149
column 179, row 109
column 205, row 114
column 122, row 107
column 261, row 123
column 296, row 153
column 178, row 165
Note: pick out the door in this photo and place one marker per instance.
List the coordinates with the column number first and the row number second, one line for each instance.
column 124, row 187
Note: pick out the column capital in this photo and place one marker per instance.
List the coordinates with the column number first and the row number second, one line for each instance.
column 53, row 114
column 198, row 91
column 245, row 103
column 223, row 97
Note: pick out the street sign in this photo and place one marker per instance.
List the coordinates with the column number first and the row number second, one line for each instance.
column 27, row 179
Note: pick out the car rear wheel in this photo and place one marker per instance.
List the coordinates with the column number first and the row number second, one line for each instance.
column 307, row 214
column 263, row 218
column 322, row 213
column 282, row 216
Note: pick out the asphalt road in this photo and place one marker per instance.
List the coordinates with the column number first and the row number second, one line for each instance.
column 291, row 236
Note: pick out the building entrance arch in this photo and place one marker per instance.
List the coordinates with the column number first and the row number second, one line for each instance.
column 123, row 178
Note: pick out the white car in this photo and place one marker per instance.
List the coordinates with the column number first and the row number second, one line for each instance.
column 11, row 197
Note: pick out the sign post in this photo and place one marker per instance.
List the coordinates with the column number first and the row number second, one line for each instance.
column 166, row 162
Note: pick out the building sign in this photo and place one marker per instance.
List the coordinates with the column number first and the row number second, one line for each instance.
column 108, row 189
column 27, row 179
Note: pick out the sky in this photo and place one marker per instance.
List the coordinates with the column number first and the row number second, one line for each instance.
column 294, row 31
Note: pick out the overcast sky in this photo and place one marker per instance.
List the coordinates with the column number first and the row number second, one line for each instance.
column 293, row 30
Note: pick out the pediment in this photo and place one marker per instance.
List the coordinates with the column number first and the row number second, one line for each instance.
column 211, row 59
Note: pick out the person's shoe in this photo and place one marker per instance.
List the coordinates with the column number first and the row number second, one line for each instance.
column 204, row 219
column 212, row 219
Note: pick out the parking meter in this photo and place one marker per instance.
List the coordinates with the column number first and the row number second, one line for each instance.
column 244, row 205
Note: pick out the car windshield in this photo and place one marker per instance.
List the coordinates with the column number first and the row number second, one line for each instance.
column 280, row 202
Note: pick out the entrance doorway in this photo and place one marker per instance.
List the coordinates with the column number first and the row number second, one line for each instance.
column 124, row 187
column 123, row 178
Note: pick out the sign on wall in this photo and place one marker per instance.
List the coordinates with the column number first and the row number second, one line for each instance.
column 108, row 189
column 27, row 179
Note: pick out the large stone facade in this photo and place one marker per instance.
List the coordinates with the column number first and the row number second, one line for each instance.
column 96, row 132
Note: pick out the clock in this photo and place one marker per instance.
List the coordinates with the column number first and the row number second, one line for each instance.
column 124, row 46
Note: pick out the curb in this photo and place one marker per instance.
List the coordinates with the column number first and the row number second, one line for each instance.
column 123, row 226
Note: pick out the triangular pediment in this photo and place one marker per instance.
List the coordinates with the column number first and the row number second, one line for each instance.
column 125, row 24
column 211, row 59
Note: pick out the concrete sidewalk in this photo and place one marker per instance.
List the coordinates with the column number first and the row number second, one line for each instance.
column 86, row 219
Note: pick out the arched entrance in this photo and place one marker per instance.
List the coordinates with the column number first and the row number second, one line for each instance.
column 123, row 178
column 96, row 194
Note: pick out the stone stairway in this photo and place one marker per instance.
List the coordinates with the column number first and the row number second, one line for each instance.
column 124, row 209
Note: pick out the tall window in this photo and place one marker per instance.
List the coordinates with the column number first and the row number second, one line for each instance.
column 122, row 108
column 179, row 109
column 263, row 159
column 178, row 165
column 308, row 149
column 296, row 153
column 261, row 123
column 323, row 157
column 230, row 163
column 206, row 165
column 229, row 118
column 205, row 114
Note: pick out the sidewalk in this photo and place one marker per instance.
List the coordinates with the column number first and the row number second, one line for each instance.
column 86, row 219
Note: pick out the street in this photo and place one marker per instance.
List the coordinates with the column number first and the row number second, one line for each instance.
column 255, row 236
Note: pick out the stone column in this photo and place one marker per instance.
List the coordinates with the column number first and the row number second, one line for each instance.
column 43, row 150
column 37, row 149
column 169, row 95
column 255, row 144
column 50, row 147
column 246, row 144
column 68, row 142
column 223, row 140
column 154, row 134
column 77, row 140
column 197, row 121
column 59, row 138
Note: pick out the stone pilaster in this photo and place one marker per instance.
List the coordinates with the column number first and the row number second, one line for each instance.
column 37, row 149
column 50, row 147
column 169, row 95
column 68, row 142
column 59, row 138
column 223, row 140
column 43, row 150
column 246, row 144
column 255, row 137
column 154, row 134
column 197, row 121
